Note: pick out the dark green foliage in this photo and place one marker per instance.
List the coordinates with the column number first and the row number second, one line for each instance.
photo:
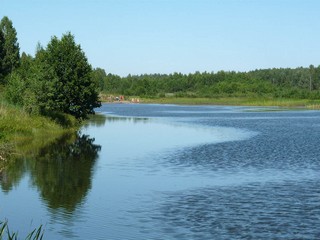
column 2, row 54
column 58, row 80
column 9, row 55
column 288, row 77
column 31, row 85
column 15, row 89
column 63, row 119
column 279, row 83
column 98, row 76
column 113, row 83
column 74, row 92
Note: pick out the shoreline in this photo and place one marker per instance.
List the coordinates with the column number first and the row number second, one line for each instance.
column 230, row 101
column 21, row 132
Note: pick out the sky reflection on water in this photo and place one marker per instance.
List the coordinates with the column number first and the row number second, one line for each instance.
column 175, row 172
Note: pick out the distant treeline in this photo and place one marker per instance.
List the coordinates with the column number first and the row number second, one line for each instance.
column 300, row 82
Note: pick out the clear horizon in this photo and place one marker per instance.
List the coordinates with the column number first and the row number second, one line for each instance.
column 161, row 36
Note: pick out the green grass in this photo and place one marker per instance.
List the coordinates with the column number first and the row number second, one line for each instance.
column 5, row 233
column 15, row 122
column 21, row 132
column 237, row 101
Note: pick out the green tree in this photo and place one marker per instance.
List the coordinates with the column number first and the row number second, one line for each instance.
column 26, row 62
column 15, row 89
column 10, row 57
column 31, row 85
column 74, row 90
column 99, row 77
column 311, row 77
column 2, row 54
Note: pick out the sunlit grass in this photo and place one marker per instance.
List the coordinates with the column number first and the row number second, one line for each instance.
column 21, row 132
column 238, row 101
column 15, row 123
column 314, row 106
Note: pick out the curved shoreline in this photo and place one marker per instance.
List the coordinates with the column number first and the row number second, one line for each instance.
column 232, row 101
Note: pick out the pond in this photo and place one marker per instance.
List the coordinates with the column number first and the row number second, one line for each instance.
column 138, row 171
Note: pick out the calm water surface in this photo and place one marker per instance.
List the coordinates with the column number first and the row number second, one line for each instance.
column 173, row 172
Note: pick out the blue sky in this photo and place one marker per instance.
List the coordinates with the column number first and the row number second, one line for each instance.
column 165, row 36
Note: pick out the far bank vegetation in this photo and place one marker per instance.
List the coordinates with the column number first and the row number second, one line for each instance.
column 275, row 86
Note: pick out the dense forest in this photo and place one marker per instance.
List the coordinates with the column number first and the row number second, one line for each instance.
column 301, row 83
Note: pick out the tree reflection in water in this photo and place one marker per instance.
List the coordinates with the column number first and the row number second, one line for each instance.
column 62, row 171
column 12, row 173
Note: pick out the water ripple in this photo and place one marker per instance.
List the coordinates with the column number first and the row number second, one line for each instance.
column 288, row 210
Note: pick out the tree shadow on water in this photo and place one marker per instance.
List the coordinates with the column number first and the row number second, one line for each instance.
column 63, row 171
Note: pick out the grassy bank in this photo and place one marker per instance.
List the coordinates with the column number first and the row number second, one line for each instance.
column 21, row 132
column 237, row 101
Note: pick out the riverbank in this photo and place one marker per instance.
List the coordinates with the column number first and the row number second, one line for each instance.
column 21, row 132
column 237, row 101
